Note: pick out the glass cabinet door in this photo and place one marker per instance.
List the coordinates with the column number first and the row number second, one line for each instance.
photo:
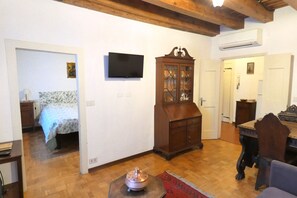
column 186, row 79
column 170, row 85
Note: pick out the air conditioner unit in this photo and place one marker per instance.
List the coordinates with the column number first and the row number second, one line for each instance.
column 247, row 38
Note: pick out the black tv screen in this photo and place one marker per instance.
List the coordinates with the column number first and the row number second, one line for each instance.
column 125, row 65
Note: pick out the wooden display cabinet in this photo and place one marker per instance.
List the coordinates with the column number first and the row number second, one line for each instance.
column 177, row 118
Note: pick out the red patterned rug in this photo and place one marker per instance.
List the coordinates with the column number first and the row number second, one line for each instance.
column 176, row 188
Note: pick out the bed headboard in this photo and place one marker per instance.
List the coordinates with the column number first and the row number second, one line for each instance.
column 46, row 98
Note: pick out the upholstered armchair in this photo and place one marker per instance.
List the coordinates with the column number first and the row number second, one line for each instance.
column 282, row 183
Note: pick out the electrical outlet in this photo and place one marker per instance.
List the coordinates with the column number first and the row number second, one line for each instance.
column 93, row 160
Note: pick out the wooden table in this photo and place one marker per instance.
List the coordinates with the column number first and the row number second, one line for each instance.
column 154, row 189
column 248, row 139
column 16, row 156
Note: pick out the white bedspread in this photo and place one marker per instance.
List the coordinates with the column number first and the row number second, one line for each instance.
column 59, row 118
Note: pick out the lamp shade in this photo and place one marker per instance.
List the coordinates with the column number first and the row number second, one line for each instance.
column 26, row 93
column 217, row 3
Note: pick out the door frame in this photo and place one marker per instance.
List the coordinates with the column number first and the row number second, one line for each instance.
column 221, row 82
column 231, row 93
column 11, row 57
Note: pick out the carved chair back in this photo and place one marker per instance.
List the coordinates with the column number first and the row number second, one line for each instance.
column 272, row 137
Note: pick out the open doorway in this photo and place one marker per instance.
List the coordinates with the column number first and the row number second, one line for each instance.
column 262, row 83
column 49, row 108
column 241, row 80
column 11, row 47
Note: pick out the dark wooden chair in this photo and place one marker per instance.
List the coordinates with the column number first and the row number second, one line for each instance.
column 272, row 138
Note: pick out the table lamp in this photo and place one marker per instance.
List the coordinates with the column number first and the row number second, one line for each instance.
column 26, row 94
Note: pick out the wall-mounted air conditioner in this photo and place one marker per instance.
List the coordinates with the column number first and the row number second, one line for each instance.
column 246, row 38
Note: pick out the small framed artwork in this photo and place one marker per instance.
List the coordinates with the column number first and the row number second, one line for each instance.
column 250, row 68
column 71, row 71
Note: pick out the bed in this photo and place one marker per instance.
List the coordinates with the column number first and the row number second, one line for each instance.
column 58, row 115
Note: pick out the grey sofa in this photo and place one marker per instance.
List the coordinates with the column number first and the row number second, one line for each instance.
column 283, row 181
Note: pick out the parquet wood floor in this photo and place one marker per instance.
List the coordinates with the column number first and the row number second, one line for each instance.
column 54, row 175
column 229, row 133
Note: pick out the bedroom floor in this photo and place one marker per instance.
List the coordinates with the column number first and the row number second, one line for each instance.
column 56, row 174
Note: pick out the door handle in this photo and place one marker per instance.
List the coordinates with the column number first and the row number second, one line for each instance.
column 201, row 101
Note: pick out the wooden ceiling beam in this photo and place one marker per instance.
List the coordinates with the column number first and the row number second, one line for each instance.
column 250, row 8
column 202, row 10
column 292, row 3
column 141, row 11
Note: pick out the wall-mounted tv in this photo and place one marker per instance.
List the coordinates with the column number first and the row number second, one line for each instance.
column 125, row 65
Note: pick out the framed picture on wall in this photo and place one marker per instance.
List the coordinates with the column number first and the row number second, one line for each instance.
column 71, row 71
column 250, row 68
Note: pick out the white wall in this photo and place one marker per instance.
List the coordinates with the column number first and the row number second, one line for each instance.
column 43, row 71
column 248, row 88
column 121, row 123
column 40, row 71
column 278, row 37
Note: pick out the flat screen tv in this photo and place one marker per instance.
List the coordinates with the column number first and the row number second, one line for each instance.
column 125, row 65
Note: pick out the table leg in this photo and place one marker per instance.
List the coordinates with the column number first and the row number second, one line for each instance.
column 240, row 166
column 248, row 155
column 20, row 177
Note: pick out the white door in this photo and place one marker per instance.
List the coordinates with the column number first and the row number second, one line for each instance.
column 227, row 83
column 209, row 98
column 276, row 83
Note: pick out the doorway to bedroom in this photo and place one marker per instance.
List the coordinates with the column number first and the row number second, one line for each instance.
column 48, row 102
column 80, row 165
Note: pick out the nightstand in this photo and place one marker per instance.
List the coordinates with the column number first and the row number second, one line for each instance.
column 27, row 114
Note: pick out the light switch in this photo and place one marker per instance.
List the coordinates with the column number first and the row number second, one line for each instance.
column 90, row 103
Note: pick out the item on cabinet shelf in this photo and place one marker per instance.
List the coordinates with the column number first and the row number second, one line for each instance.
column 245, row 111
column 177, row 118
column 136, row 180
column 5, row 148
column 5, row 153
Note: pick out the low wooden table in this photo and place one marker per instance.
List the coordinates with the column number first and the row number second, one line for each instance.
column 154, row 189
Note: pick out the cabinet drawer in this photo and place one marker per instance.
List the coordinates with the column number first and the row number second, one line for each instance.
column 26, row 106
column 178, row 139
column 27, row 119
column 243, row 105
column 177, row 124
column 27, row 114
column 193, row 121
column 194, row 134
